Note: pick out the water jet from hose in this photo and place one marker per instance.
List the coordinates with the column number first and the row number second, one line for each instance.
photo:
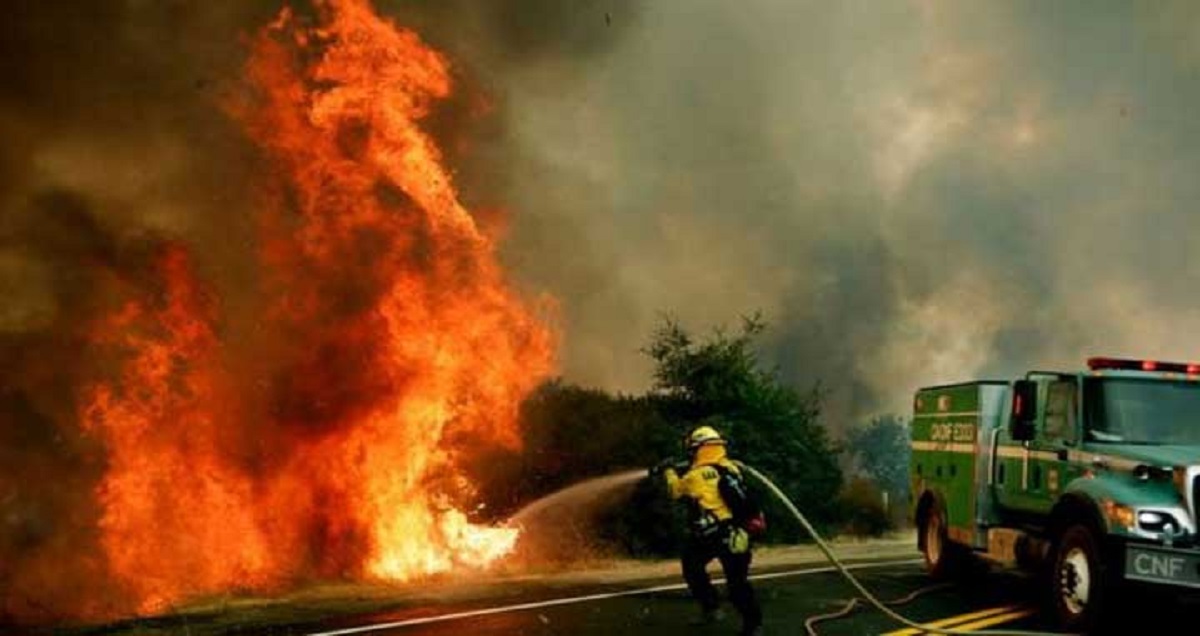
column 562, row 527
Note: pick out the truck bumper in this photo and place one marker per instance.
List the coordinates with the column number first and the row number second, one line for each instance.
column 1151, row 563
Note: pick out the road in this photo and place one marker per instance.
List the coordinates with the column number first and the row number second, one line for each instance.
column 629, row 602
column 996, row 600
column 788, row 596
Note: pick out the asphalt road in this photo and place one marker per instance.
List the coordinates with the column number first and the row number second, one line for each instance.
column 994, row 600
column 788, row 596
column 795, row 586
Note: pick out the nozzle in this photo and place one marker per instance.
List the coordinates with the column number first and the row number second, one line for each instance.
column 662, row 466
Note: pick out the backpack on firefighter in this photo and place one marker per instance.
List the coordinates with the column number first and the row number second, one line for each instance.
column 747, row 510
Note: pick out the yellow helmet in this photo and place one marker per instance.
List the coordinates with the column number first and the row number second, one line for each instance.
column 702, row 436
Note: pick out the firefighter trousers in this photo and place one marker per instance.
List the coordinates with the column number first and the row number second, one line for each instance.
column 696, row 557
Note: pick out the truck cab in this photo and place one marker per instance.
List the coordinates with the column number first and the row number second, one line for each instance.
column 1088, row 478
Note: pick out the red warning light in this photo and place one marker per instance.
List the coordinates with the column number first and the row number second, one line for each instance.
column 1096, row 364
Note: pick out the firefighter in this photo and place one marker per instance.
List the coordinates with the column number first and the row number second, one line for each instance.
column 722, row 519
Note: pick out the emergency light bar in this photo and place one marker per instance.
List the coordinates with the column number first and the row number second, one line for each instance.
column 1097, row 364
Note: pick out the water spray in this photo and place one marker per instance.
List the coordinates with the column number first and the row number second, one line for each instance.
column 862, row 590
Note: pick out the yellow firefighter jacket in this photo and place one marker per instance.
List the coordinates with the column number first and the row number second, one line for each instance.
column 700, row 485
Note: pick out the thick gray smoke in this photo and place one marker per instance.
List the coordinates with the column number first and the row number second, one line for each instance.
column 912, row 192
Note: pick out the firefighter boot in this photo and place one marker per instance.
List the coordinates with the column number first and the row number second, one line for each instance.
column 751, row 630
column 708, row 617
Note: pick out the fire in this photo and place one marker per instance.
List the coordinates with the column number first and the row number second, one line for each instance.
column 170, row 498
column 392, row 349
column 447, row 350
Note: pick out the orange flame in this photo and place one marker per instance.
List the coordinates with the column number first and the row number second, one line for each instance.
column 398, row 352
column 170, row 498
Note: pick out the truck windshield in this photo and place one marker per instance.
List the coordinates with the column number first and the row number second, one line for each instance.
column 1133, row 411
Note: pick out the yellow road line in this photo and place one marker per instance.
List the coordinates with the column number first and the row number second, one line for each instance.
column 955, row 620
column 996, row 620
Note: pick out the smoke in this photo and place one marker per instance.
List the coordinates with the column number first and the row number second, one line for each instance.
column 912, row 192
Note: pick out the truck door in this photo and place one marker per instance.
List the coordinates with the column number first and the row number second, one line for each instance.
column 1047, row 469
column 1030, row 475
column 1011, row 458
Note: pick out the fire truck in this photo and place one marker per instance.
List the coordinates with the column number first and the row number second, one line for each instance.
column 1090, row 479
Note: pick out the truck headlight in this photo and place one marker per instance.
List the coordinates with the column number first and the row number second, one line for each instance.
column 1119, row 515
column 1148, row 519
column 1157, row 522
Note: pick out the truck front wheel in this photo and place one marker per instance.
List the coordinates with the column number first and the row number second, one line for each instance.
column 1077, row 578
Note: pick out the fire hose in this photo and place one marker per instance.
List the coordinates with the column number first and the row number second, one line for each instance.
column 852, row 604
column 862, row 590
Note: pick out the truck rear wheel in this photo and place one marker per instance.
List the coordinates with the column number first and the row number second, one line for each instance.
column 943, row 557
column 1078, row 579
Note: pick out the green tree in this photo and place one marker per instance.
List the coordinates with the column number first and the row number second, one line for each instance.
column 881, row 450
column 772, row 425
column 571, row 433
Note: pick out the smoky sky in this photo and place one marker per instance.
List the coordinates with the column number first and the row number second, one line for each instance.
column 910, row 192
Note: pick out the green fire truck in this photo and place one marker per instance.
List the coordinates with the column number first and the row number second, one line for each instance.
column 1089, row 479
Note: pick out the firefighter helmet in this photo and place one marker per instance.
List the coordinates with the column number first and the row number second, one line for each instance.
column 702, row 436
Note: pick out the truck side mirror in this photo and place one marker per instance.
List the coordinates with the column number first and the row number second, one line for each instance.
column 1024, row 410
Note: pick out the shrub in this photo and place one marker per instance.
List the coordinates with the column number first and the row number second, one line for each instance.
column 861, row 509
